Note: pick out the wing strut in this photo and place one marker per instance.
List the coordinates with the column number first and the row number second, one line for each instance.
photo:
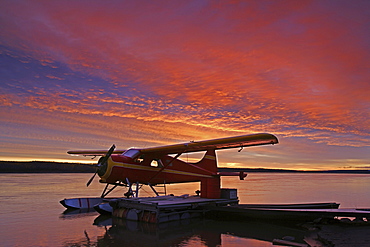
column 164, row 167
column 108, row 190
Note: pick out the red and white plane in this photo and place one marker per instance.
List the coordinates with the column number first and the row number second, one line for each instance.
column 155, row 165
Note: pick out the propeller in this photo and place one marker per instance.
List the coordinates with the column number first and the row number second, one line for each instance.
column 101, row 162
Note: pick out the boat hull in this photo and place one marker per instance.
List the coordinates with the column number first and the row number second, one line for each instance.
column 81, row 203
column 103, row 208
column 290, row 212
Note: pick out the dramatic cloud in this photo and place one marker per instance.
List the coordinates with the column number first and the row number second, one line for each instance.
column 84, row 74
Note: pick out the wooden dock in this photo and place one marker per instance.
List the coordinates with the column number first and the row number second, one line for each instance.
column 170, row 208
column 165, row 208
column 242, row 212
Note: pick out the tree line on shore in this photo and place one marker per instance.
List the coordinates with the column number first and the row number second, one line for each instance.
column 43, row 166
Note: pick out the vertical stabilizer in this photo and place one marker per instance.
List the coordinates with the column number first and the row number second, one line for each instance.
column 210, row 187
column 209, row 161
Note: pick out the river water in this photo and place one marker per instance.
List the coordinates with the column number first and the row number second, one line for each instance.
column 31, row 215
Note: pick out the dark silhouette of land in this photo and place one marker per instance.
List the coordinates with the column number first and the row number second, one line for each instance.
column 43, row 167
column 57, row 167
column 249, row 170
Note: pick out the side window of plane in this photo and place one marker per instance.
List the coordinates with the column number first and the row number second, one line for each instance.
column 140, row 159
column 156, row 163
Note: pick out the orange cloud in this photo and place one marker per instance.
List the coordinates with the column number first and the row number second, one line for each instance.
column 292, row 68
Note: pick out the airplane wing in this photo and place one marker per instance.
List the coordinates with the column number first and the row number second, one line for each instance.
column 94, row 152
column 221, row 143
column 196, row 146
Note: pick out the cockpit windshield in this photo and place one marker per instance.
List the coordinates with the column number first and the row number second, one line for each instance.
column 132, row 153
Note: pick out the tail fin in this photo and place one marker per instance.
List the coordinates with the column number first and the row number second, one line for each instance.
column 210, row 187
column 209, row 161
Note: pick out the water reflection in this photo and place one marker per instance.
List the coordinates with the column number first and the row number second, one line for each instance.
column 199, row 232
column 70, row 213
column 214, row 233
column 31, row 213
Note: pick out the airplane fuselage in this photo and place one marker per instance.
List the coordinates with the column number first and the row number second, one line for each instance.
column 120, row 168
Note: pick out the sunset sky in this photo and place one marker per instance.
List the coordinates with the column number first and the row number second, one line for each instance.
column 87, row 74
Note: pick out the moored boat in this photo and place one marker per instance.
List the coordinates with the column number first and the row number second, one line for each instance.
column 293, row 212
column 82, row 203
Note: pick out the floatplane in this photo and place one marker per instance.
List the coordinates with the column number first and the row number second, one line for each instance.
column 158, row 166
column 155, row 166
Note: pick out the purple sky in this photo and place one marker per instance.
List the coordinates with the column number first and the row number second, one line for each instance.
column 87, row 74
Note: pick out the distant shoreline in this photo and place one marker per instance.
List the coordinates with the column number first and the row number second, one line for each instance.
column 44, row 167
column 58, row 167
column 265, row 170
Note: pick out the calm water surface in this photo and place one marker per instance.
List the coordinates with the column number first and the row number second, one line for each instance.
column 32, row 216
